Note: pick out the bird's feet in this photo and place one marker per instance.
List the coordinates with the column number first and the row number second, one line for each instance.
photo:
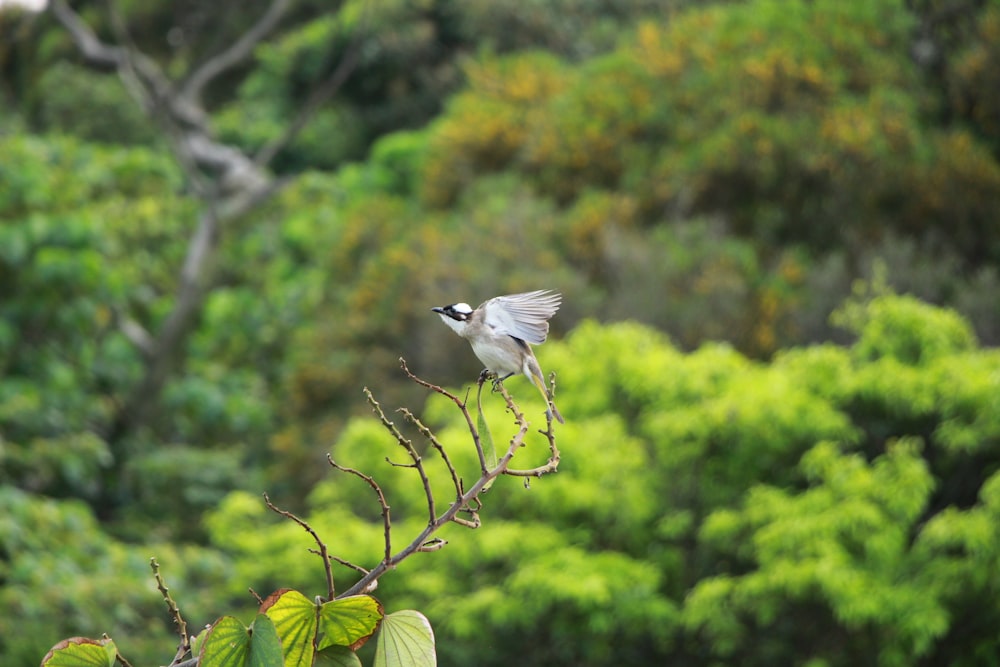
column 487, row 374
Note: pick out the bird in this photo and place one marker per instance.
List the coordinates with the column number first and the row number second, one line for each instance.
column 503, row 329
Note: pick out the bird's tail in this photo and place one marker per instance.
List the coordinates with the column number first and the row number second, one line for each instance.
column 534, row 372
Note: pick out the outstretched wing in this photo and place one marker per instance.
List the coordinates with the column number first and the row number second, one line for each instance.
column 525, row 316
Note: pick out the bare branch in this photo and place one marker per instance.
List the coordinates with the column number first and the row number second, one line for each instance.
column 317, row 98
column 435, row 544
column 119, row 657
column 552, row 464
column 323, row 552
column 464, row 503
column 408, row 446
column 431, row 438
column 136, row 334
column 462, row 405
column 175, row 613
column 347, row 563
column 235, row 54
column 91, row 48
column 472, row 523
column 228, row 182
column 385, row 518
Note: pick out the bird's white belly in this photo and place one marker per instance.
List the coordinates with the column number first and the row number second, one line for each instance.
column 499, row 358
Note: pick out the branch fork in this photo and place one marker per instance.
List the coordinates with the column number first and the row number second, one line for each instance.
column 463, row 510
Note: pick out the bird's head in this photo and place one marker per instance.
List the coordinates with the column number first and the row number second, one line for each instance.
column 455, row 316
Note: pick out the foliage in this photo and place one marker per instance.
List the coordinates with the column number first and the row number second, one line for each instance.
column 767, row 509
column 63, row 576
column 112, row 115
column 731, row 111
column 91, row 237
column 59, row 302
column 719, row 171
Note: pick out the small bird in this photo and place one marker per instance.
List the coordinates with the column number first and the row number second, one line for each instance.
column 501, row 331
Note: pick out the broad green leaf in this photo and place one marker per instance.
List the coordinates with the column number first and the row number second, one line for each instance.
column 227, row 644
column 405, row 640
column 81, row 652
column 294, row 618
column 349, row 621
column 197, row 642
column 265, row 646
column 337, row 656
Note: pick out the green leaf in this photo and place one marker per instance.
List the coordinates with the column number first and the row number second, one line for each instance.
column 349, row 621
column 81, row 652
column 227, row 644
column 337, row 656
column 199, row 640
column 294, row 618
column 265, row 645
column 485, row 438
column 230, row 644
column 406, row 640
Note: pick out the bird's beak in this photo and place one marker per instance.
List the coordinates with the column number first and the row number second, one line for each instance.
column 438, row 309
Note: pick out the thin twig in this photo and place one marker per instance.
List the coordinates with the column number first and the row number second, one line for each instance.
column 323, row 551
column 552, row 464
column 435, row 544
column 386, row 523
column 119, row 657
column 472, row 523
column 174, row 610
column 347, row 563
column 462, row 405
column 408, row 446
column 432, row 439
column 470, row 496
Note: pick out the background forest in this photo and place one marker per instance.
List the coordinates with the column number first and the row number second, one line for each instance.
column 776, row 227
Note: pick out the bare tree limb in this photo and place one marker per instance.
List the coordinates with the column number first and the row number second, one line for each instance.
column 319, row 96
column 386, row 522
column 239, row 51
column 90, row 47
column 553, row 463
column 136, row 334
column 227, row 181
column 432, row 439
column 423, row 541
column 462, row 405
column 323, row 551
column 175, row 613
column 408, row 446
column 347, row 563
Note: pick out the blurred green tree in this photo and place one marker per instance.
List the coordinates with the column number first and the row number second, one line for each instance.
column 830, row 506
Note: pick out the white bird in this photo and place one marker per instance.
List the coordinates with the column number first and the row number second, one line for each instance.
column 502, row 330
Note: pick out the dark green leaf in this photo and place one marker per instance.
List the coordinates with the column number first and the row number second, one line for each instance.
column 227, row 644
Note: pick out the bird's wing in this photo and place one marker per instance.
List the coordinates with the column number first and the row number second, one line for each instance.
column 525, row 316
